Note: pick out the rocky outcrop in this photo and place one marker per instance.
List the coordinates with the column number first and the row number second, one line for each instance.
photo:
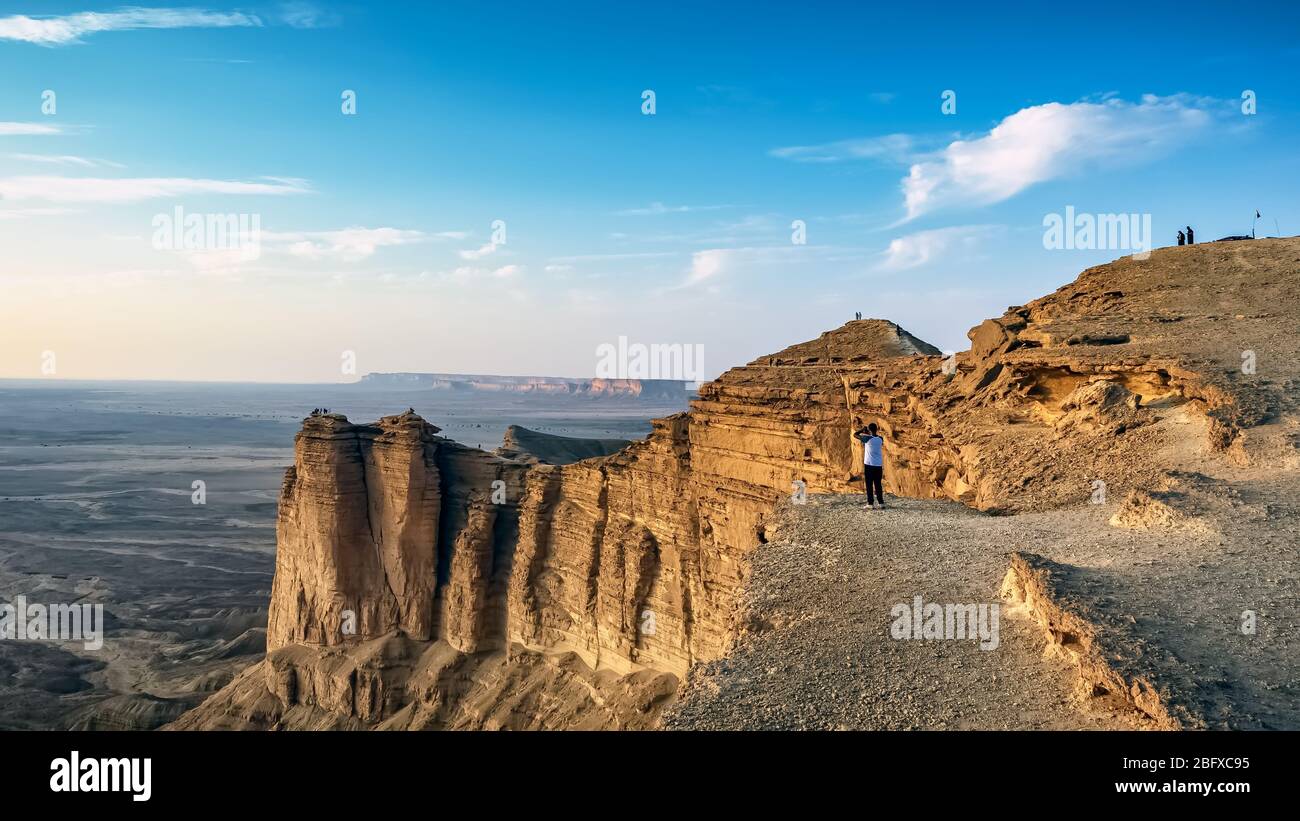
column 356, row 532
column 395, row 683
column 1111, row 662
column 634, row 562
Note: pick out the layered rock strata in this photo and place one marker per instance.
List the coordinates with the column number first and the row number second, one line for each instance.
column 635, row 561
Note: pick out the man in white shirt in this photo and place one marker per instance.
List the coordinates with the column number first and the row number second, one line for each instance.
column 873, row 463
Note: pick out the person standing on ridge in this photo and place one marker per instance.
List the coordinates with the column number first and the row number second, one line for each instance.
column 1191, row 238
column 873, row 463
column 1182, row 238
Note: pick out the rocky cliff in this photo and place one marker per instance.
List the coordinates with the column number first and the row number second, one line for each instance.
column 420, row 582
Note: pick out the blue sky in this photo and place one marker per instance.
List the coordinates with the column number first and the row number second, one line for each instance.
column 675, row 227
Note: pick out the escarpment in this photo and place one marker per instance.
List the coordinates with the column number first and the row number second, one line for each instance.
column 422, row 583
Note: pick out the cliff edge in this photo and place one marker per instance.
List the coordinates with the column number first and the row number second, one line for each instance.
column 421, row 583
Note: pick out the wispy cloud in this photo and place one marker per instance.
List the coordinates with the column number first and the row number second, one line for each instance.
column 712, row 264
column 70, row 28
column 613, row 257
column 889, row 147
column 478, row 253
column 925, row 247
column 657, row 208
column 467, row 273
column 135, row 189
column 66, row 159
column 302, row 15
column 27, row 129
column 1050, row 141
column 707, row 265
column 347, row 244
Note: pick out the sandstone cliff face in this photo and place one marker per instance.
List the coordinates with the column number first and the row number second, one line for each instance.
column 357, row 526
column 1091, row 383
column 635, row 561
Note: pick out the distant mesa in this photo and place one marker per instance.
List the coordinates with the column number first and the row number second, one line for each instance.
column 656, row 389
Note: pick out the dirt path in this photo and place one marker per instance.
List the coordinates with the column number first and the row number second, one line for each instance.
column 821, row 655
column 818, row 651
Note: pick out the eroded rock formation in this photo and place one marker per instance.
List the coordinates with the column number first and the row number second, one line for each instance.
column 633, row 563
column 1111, row 663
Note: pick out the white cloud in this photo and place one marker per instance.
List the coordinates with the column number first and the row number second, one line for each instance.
column 467, row 273
column 890, row 147
column 69, row 28
column 706, row 265
column 224, row 260
column 347, row 244
column 135, row 189
column 611, row 257
column 302, row 15
column 479, row 253
column 27, row 129
column 924, row 247
column 714, row 264
column 1047, row 142
column 65, row 159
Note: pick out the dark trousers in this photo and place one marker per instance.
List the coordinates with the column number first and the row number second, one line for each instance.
column 871, row 477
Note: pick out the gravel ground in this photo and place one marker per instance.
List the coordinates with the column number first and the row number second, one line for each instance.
column 817, row 653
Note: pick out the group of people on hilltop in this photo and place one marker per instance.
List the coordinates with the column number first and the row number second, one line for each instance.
column 319, row 411
column 1187, row 239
